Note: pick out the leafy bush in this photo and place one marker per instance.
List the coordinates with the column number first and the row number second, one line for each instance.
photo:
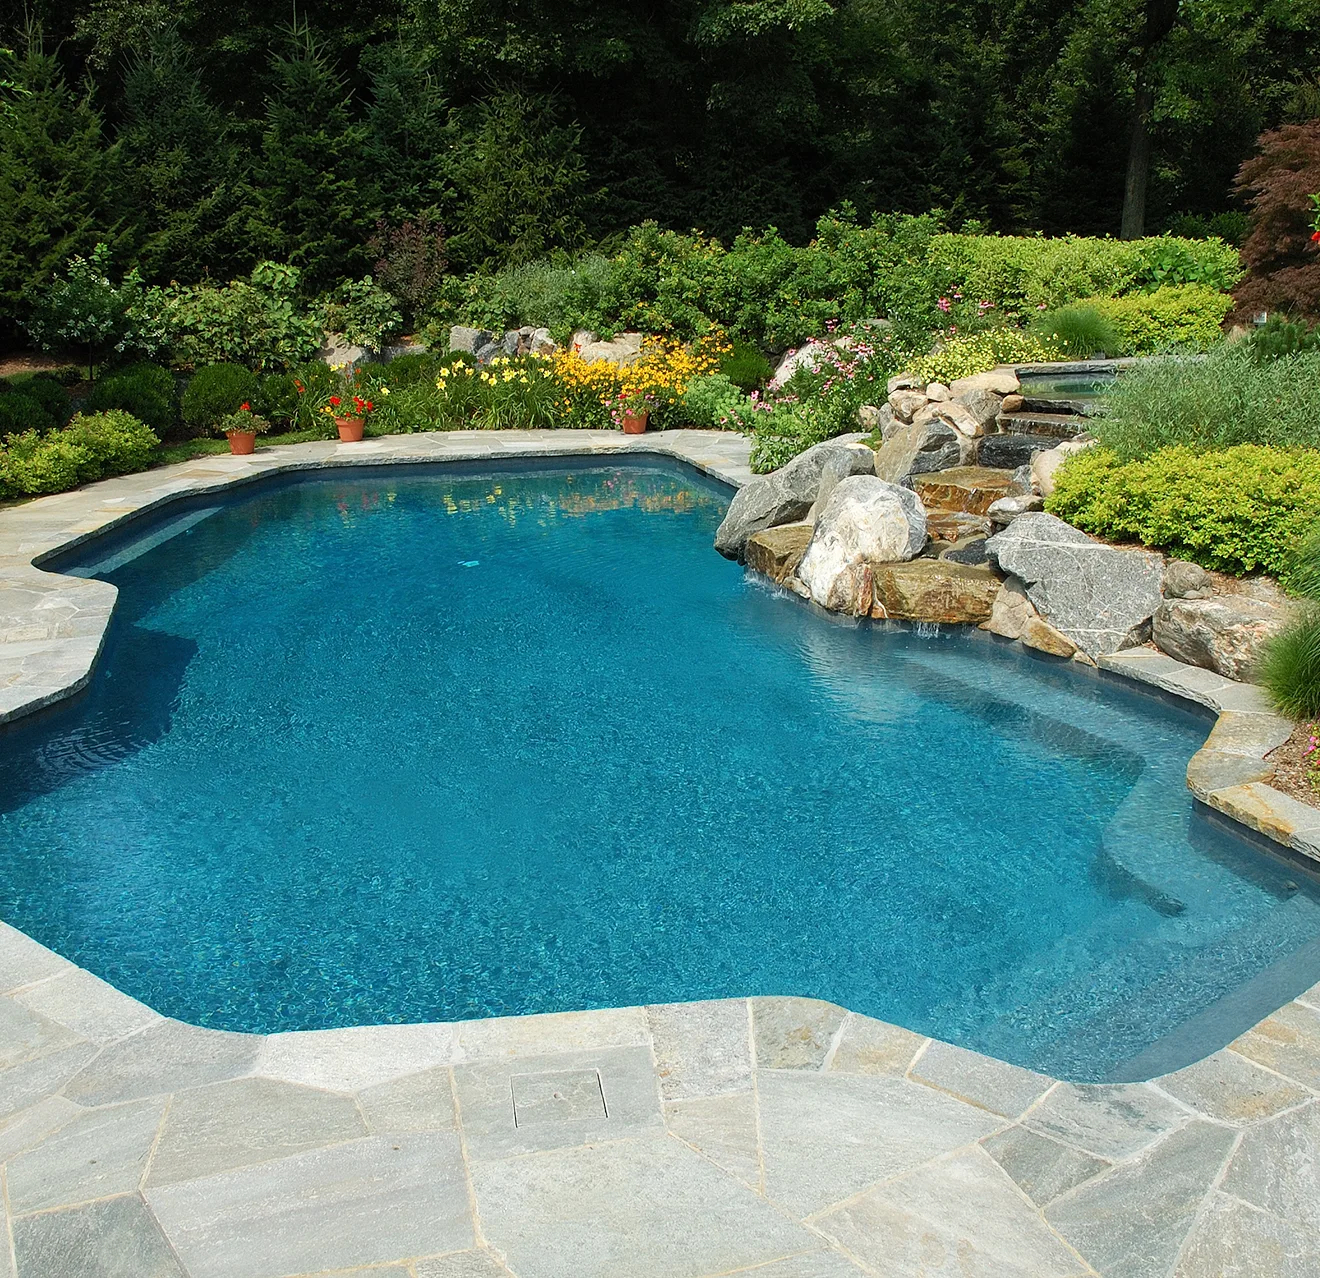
column 215, row 392
column 746, row 367
column 1077, row 332
column 1224, row 399
column 560, row 297
column 84, row 309
column 1236, row 509
column 258, row 322
column 364, row 313
column 1018, row 275
column 1187, row 316
column 243, row 421
column 116, row 441
column 88, row 448
column 145, row 390
column 788, row 429
column 277, row 398
column 410, row 262
column 714, row 403
column 49, row 392
column 964, row 356
column 21, row 411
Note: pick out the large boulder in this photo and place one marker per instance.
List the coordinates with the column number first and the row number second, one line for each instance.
column 1184, row 580
column 969, row 489
column 787, row 494
column 1099, row 597
column 625, row 349
column 470, row 340
column 934, row 590
column 865, row 522
column 998, row 381
column 776, row 552
column 917, row 449
column 983, row 405
column 1045, row 465
column 1008, row 452
column 1225, row 633
column 906, row 404
column 1010, row 611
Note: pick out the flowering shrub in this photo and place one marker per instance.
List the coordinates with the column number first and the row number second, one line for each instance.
column 963, row 355
column 243, row 420
column 1311, row 752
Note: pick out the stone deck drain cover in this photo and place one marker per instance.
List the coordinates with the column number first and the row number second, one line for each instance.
column 571, row 1093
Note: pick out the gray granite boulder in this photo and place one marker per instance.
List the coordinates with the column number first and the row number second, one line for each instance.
column 787, row 494
column 1183, row 580
column 983, row 405
column 1101, row 598
column 1008, row 452
column 918, row 449
column 1007, row 509
column 866, row 521
column 1225, row 633
column 470, row 340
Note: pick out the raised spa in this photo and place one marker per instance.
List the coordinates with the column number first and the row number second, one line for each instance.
column 395, row 745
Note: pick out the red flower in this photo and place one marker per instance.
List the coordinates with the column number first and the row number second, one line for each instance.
column 245, row 407
column 334, row 401
column 1315, row 237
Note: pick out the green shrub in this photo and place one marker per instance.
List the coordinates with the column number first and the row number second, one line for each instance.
column 277, row 398
column 1302, row 577
column 1186, row 316
column 715, row 403
column 88, row 448
column 50, row 393
column 1077, row 332
column 1290, row 667
column 116, row 441
column 215, row 392
column 1237, row 509
column 980, row 352
column 21, row 412
column 365, row 314
column 1224, row 399
column 145, row 390
column 259, row 322
column 745, row 366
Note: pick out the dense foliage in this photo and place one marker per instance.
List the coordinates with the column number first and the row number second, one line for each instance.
column 1290, row 669
column 91, row 447
column 1238, row 509
column 196, row 139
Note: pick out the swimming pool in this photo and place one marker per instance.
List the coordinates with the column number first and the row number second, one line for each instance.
column 397, row 745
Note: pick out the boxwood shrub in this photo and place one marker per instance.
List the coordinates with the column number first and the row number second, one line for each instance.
column 217, row 391
column 145, row 390
column 1236, row 509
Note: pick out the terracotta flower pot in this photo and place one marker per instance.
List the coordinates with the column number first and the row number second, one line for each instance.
column 350, row 429
column 636, row 425
column 242, row 442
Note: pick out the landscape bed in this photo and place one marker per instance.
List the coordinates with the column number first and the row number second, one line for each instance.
column 344, row 675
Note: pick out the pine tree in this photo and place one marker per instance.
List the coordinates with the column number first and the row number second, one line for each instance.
column 184, row 171
column 314, row 197
column 61, row 183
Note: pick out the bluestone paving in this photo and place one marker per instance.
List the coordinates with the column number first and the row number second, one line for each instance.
column 775, row 1136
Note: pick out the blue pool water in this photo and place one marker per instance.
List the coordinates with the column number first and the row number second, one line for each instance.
column 400, row 746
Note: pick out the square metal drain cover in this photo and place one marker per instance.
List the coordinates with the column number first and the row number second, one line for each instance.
column 550, row 1097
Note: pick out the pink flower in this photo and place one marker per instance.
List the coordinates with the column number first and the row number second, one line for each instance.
column 943, row 304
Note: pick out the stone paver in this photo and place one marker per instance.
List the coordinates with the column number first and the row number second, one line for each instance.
column 779, row 1137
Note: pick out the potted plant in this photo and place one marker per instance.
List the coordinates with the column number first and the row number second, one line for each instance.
column 350, row 415
column 242, row 429
column 632, row 410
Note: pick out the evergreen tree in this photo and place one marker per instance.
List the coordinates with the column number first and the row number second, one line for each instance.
column 314, row 197
column 61, row 184
column 188, row 186
column 407, row 139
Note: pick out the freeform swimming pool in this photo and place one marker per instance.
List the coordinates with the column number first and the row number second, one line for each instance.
column 400, row 747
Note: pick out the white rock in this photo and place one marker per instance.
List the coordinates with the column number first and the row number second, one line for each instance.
column 905, row 404
column 865, row 521
column 1045, row 465
column 999, row 381
column 938, row 392
column 904, row 381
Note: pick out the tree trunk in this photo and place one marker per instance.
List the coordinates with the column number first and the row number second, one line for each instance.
column 1138, row 167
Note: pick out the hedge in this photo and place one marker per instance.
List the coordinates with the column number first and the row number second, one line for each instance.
column 1188, row 316
column 1238, row 509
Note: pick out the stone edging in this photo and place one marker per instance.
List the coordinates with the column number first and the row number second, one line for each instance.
column 52, row 626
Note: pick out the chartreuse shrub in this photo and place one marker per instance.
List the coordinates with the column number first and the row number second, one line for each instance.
column 145, row 390
column 1187, row 316
column 1290, row 668
column 88, row 448
column 215, row 392
column 1224, row 399
column 1236, row 509
column 963, row 356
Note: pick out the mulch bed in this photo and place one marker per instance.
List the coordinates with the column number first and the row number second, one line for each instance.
column 1293, row 774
